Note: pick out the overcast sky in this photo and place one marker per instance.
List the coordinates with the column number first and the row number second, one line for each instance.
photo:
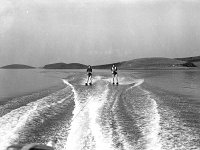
column 38, row 32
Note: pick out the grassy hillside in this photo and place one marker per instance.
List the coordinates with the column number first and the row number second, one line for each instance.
column 149, row 63
column 190, row 59
column 17, row 66
column 195, row 60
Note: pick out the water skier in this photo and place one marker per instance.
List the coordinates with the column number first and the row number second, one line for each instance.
column 89, row 75
column 114, row 74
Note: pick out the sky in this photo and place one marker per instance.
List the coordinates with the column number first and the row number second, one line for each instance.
column 39, row 32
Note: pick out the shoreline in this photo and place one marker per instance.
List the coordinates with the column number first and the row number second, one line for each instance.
column 180, row 68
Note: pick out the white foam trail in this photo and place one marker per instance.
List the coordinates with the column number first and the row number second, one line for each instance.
column 108, row 79
column 152, row 128
column 126, row 81
column 138, row 82
column 151, row 120
column 94, row 79
column 74, row 137
column 97, row 78
column 94, row 106
column 13, row 122
column 62, row 100
column 73, row 90
column 85, row 131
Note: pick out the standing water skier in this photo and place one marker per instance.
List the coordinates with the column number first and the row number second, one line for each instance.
column 114, row 74
column 89, row 75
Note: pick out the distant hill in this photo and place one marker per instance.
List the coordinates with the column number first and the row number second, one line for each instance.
column 106, row 66
column 142, row 63
column 65, row 66
column 149, row 63
column 17, row 66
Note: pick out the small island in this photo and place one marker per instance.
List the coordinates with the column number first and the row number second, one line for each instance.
column 17, row 66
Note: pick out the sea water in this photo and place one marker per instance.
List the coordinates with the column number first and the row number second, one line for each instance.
column 148, row 110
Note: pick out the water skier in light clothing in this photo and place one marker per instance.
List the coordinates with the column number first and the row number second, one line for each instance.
column 114, row 74
column 89, row 77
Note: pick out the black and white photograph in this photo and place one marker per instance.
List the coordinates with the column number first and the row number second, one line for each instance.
column 99, row 75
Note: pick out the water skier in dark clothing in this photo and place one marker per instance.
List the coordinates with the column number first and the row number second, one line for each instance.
column 114, row 74
column 89, row 77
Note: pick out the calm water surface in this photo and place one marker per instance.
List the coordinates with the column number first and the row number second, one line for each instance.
column 186, row 82
column 19, row 82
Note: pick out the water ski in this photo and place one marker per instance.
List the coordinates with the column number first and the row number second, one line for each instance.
column 116, row 83
column 86, row 84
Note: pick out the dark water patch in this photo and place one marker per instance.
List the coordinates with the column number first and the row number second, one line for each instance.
column 45, row 91
column 127, row 120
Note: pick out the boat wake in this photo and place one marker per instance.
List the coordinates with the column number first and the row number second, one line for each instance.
column 131, row 116
column 101, row 116
column 104, row 117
